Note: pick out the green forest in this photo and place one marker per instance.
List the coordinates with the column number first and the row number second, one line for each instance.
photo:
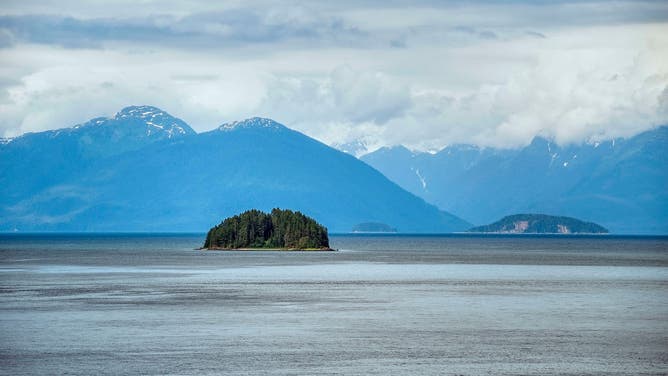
column 280, row 229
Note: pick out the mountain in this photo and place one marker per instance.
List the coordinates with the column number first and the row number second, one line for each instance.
column 354, row 148
column 621, row 184
column 143, row 170
column 540, row 224
column 30, row 162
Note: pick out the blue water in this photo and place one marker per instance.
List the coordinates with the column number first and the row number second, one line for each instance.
column 419, row 305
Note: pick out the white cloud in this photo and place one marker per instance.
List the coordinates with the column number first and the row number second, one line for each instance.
column 578, row 87
column 424, row 76
column 343, row 96
column 76, row 85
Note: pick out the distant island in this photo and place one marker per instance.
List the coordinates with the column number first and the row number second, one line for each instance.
column 540, row 224
column 373, row 227
column 279, row 230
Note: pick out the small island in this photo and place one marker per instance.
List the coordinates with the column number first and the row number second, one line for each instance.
column 373, row 227
column 281, row 230
column 540, row 224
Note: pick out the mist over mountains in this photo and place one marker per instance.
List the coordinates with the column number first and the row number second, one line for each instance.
column 621, row 184
column 144, row 170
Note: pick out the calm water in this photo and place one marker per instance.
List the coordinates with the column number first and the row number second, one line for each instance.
column 382, row 305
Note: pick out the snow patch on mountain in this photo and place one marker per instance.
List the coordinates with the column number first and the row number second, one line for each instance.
column 423, row 181
column 156, row 120
column 158, row 123
column 254, row 122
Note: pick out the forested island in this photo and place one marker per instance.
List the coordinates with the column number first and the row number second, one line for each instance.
column 278, row 230
column 540, row 224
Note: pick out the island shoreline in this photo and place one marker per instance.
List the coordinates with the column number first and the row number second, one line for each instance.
column 267, row 249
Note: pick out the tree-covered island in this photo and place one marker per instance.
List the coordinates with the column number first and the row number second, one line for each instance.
column 279, row 230
column 540, row 224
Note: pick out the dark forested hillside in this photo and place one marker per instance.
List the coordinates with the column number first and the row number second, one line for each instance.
column 280, row 229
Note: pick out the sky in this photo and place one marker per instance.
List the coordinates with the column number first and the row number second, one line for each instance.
column 424, row 74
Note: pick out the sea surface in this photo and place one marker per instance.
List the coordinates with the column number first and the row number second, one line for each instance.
column 151, row 304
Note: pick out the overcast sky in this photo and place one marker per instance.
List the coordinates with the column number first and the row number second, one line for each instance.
column 420, row 73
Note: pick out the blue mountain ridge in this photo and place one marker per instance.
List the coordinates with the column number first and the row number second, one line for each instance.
column 621, row 184
column 144, row 170
column 33, row 161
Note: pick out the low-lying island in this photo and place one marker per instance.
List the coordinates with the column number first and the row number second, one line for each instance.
column 280, row 230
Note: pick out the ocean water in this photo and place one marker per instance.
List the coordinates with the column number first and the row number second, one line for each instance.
column 381, row 305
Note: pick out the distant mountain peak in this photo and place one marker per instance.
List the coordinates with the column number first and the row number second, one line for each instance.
column 456, row 148
column 395, row 149
column 142, row 112
column 398, row 148
column 157, row 120
column 252, row 123
column 356, row 148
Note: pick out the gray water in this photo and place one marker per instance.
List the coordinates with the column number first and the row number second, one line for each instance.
column 381, row 305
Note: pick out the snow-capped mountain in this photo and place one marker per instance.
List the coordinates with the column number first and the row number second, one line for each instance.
column 157, row 123
column 34, row 160
column 255, row 122
column 355, row 148
column 130, row 128
column 143, row 170
column 621, row 184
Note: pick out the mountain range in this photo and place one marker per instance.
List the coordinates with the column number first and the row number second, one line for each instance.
column 145, row 170
column 621, row 184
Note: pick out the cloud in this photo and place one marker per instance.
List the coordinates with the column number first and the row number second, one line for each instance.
column 221, row 29
column 345, row 95
column 73, row 86
column 71, row 32
column 535, row 34
column 569, row 97
column 425, row 74
column 483, row 34
column 663, row 102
